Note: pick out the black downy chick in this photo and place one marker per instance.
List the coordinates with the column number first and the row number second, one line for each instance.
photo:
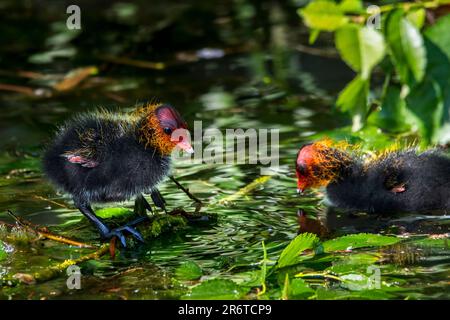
column 106, row 157
column 398, row 181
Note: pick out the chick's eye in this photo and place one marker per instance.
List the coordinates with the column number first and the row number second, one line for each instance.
column 301, row 169
column 167, row 130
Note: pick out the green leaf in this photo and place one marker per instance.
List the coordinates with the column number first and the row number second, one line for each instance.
column 355, row 281
column 291, row 253
column 3, row 253
column 438, row 66
column 313, row 35
column 189, row 270
column 354, row 99
column 253, row 278
column 417, row 17
column 351, row 6
column 353, row 263
column 347, row 41
column 107, row 213
column 323, row 15
column 299, row 289
column 215, row 289
column 439, row 34
column 360, row 47
column 359, row 240
column 437, row 42
column 426, row 105
column 406, row 47
column 392, row 113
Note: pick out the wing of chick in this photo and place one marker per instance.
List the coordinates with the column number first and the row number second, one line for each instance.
column 87, row 155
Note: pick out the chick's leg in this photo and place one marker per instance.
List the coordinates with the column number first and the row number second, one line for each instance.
column 106, row 232
column 141, row 205
column 86, row 210
column 158, row 199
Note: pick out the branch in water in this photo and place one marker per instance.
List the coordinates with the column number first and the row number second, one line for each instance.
column 245, row 190
column 190, row 195
column 44, row 233
column 53, row 271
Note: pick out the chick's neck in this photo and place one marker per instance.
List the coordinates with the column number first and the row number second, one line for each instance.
column 332, row 164
column 150, row 134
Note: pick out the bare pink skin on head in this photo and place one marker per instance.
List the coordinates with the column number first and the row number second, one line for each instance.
column 170, row 117
column 305, row 158
column 175, row 126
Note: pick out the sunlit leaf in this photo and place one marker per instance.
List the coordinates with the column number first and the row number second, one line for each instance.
column 253, row 278
column 291, row 253
column 359, row 240
column 189, row 271
column 351, row 263
column 313, row 35
column 406, row 47
column 216, row 289
column 360, row 47
column 323, row 15
column 355, row 281
column 354, row 99
column 417, row 17
column 106, row 213
column 351, row 6
column 75, row 77
column 299, row 289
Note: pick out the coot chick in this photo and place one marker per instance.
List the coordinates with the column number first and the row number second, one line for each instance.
column 106, row 157
column 396, row 181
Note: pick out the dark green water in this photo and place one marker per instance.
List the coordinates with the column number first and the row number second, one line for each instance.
column 272, row 86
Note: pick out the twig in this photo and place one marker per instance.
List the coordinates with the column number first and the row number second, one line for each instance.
column 321, row 52
column 62, row 239
column 16, row 218
column 245, row 190
column 45, row 234
column 54, row 271
column 159, row 224
column 74, row 78
column 20, row 89
column 190, row 195
column 134, row 62
column 51, row 201
column 112, row 247
column 322, row 275
column 22, row 74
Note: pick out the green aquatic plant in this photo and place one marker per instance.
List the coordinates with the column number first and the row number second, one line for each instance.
column 341, row 271
column 394, row 41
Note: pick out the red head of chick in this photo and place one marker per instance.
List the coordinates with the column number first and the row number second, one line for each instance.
column 105, row 157
column 396, row 181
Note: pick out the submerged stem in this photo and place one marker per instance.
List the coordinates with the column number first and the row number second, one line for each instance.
column 42, row 232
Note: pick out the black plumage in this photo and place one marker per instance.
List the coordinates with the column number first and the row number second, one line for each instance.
column 398, row 181
column 105, row 157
